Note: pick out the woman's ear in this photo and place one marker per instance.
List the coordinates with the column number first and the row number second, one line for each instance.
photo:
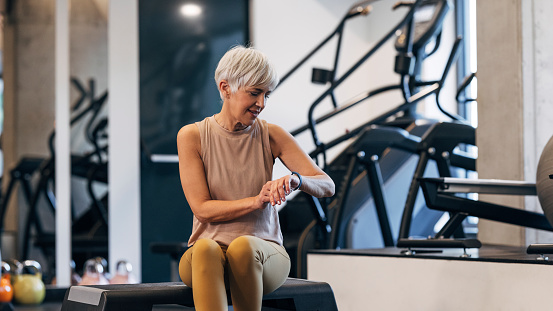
column 224, row 88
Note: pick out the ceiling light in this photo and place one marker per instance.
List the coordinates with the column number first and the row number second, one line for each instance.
column 191, row 10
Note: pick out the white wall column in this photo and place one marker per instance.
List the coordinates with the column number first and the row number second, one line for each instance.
column 515, row 109
column 537, row 74
column 500, row 106
column 62, row 160
column 124, row 135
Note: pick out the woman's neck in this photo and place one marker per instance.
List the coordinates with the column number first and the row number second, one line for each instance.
column 227, row 123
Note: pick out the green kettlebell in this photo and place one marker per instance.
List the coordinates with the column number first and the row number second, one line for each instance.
column 28, row 287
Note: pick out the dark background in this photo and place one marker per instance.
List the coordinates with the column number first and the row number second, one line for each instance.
column 178, row 57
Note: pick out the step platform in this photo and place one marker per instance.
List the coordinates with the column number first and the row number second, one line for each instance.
column 492, row 277
column 294, row 294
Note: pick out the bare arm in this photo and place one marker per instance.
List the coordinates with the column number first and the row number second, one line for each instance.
column 194, row 183
column 314, row 181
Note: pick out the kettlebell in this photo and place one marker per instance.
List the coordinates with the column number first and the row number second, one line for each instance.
column 123, row 275
column 15, row 267
column 104, row 264
column 75, row 277
column 93, row 273
column 28, row 287
column 6, row 288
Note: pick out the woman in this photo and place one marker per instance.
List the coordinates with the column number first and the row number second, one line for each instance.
column 226, row 165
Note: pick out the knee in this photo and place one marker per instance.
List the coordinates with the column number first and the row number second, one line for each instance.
column 207, row 249
column 205, row 257
column 185, row 272
column 242, row 250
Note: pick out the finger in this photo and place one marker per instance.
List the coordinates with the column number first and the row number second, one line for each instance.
column 275, row 193
column 282, row 191
column 272, row 198
column 265, row 199
column 270, row 189
column 266, row 194
column 287, row 184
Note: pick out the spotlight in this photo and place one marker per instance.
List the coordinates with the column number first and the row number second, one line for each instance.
column 191, row 10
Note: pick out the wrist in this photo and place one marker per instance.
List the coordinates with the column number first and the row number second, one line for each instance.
column 300, row 181
column 257, row 203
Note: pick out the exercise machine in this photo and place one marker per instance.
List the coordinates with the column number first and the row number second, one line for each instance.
column 446, row 194
column 330, row 227
column 90, row 227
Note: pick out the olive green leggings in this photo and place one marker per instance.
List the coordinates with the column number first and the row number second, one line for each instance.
column 251, row 267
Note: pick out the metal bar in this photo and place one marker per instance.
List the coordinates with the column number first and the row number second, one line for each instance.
column 337, row 228
column 336, row 83
column 409, row 208
column 358, row 99
column 4, row 205
column 352, row 12
column 303, row 60
column 443, row 166
column 451, row 226
column 32, row 216
column 322, row 220
column 452, row 58
column 487, row 186
column 485, row 210
column 540, row 248
column 338, row 46
column 374, row 175
column 381, row 118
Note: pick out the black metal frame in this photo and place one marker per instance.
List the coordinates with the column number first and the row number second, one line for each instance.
column 437, row 145
column 91, row 166
column 413, row 91
column 311, row 120
column 463, row 70
column 365, row 153
column 436, row 198
column 434, row 87
column 440, row 194
column 409, row 83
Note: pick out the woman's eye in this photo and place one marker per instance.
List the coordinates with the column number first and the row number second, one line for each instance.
column 254, row 94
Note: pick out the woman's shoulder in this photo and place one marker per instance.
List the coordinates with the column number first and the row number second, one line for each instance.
column 189, row 129
column 276, row 131
column 188, row 134
column 279, row 139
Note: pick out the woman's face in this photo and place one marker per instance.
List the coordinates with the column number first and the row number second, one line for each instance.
column 247, row 103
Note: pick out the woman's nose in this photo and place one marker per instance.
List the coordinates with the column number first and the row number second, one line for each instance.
column 261, row 101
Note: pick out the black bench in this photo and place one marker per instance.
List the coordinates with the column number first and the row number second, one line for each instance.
column 294, row 294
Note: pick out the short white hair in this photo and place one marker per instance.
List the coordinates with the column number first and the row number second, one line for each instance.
column 244, row 67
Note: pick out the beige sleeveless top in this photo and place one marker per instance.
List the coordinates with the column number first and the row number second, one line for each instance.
column 237, row 165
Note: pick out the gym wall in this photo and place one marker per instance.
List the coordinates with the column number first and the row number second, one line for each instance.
column 28, row 72
column 515, row 108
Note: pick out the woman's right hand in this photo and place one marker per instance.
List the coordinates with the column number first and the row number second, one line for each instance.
column 264, row 196
column 275, row 191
